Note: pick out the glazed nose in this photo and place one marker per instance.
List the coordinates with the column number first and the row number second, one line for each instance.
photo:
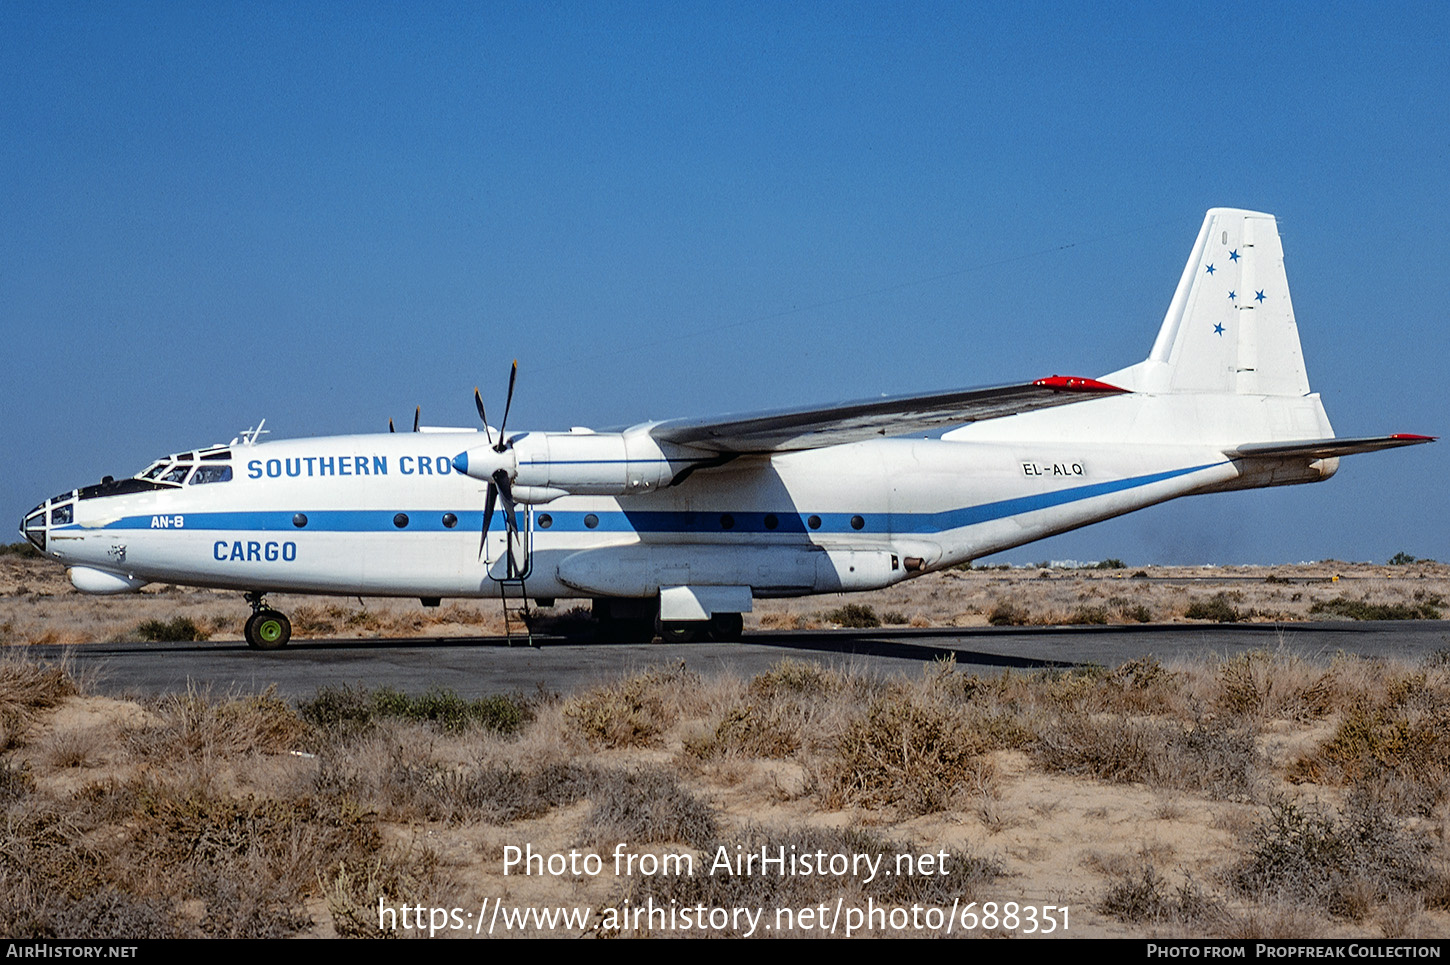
column 32, row 527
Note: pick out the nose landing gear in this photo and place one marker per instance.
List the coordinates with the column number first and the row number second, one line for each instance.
column 266, row 628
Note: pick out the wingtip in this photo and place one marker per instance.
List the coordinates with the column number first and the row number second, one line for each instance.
column 1413, row 437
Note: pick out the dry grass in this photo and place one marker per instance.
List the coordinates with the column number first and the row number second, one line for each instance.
column 1265, row 795
column 350, row 711
column 646, row 805
column 194, row 726
column 26, row 689
column 1208, row 756
column 1392, row 736
column 1145, row 897
column 1347, row 866
column 910, row 750
column 780, row 713
column 166, row 853
column 634, row 712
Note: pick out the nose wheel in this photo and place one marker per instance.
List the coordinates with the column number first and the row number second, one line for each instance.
column 266, row 628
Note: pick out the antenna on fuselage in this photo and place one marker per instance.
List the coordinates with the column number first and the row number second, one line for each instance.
column 249, row 436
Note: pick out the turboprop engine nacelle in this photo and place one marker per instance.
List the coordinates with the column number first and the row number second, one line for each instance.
column 546, row 465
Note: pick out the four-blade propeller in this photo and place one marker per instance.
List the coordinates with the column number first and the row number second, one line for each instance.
column 417, row 414
column 500, row 487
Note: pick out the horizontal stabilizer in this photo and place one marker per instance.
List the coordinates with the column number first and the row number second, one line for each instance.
column 785, row 430
column 1324, row 448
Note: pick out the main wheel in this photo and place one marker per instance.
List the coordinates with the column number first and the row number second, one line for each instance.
column 682, row 631
column 268, row 630
column 727, row 627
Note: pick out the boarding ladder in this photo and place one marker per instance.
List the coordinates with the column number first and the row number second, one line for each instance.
column 516, row 610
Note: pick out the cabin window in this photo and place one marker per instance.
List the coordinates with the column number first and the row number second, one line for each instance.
column 299, row 520
column 727, row 521
column 211, row 474
column 545, row 521
column 857, row 522
column 591, row 521
column 771, row 521
column 814, row 522
column 400, row 520
column 449, row 520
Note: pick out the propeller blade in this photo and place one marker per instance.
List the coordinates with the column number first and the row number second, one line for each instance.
column 417, row 414
column 508, row 404
column 511, row 521
column 390, row 426
column 506, row 494
column 478, row 401
column 488, row 502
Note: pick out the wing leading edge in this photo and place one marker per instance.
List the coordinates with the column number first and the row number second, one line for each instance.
column 785, row 430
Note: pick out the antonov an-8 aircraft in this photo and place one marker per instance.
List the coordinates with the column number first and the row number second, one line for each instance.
column 675, row 527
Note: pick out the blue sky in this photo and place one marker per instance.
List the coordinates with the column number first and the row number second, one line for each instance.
column 326, row 214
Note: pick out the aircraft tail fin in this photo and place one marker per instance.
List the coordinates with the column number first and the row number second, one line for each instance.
column 1226, row 371
column 1230, row 327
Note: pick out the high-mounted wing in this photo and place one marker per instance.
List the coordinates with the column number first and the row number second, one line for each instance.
column 1324, row 448
column 785, row 430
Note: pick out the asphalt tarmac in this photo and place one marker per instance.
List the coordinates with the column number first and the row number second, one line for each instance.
column 473, row 667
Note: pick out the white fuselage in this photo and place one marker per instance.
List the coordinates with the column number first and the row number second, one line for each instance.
column 371, row 514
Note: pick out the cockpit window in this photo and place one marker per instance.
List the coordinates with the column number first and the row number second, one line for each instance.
column 166, row 467
column 211, row 474
column 120, row 487
column 35, row 529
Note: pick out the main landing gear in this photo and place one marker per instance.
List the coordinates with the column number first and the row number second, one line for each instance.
column 722, row 627
column 266, row 629
column 635, row 621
